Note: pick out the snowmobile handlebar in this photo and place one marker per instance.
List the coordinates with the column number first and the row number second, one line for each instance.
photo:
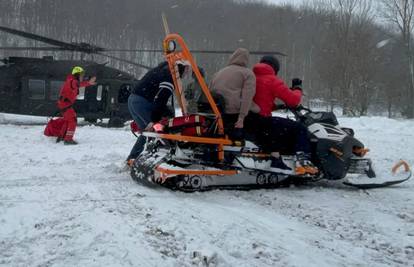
column 299, row 111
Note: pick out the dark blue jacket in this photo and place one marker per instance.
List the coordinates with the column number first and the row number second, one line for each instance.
column 157, row 86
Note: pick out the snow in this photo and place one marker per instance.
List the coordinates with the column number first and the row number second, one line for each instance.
column 76, row 206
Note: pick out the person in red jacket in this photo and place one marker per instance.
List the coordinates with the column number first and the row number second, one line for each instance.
column 67, row 97
column 286, row 134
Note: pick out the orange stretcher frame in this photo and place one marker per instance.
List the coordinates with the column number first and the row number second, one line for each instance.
column 165, row 173
column 172, row 55
column 195, row 172
column 190, row 139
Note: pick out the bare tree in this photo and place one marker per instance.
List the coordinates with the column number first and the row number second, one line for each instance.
column 354, row 17
column 346, row 53
column 400, row 13
column 330, row 44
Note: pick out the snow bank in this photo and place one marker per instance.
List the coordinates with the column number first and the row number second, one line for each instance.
column 75, row 206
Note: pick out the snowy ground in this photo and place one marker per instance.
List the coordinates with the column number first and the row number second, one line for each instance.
column 74, row 206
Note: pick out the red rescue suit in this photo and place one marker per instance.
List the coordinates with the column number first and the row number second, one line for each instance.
column 67, row 98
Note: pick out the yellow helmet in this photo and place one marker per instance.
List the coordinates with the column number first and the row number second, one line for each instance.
column 77, row 70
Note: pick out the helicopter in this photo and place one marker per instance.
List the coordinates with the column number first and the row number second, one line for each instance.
column 31, row 86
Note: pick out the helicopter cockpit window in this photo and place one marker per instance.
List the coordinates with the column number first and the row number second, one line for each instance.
column 99, row 92
column 55, row 87
column 124, row 93
column 37, row 89
column 81, row 95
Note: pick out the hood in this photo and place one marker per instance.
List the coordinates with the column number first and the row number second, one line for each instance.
column 240, row 57
column 263, row 69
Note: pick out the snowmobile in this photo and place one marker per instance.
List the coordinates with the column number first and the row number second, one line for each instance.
column 193, row 153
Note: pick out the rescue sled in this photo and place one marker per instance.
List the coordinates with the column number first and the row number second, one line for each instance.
column 192, row 152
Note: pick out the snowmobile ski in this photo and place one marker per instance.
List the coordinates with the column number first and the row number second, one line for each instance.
column 375, row 182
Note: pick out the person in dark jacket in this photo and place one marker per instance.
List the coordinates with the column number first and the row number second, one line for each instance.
column 67, row 98
column 286, row 134
column 148, row 101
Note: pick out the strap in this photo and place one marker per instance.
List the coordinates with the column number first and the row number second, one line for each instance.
column 60, row 111
column 64, row 109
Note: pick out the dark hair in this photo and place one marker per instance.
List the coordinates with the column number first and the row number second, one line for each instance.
column 202, row 72
column 164, row 65
column 181, row 69
column 271, row 61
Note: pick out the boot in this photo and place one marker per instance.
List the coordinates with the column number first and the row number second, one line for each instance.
column 130, row 162
column 128, row 165
column 70, row 142
column 304, row 165
column 277, row 163
column 59, row 139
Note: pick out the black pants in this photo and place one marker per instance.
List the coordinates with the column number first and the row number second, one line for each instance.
column 275, row 134
column 229, row 120
column 141, row 111
column 289, row 135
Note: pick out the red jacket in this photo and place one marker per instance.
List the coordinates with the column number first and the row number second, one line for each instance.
column 70, row 91
column 269, row 87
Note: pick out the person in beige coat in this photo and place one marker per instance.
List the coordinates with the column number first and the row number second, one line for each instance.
column 237, row 84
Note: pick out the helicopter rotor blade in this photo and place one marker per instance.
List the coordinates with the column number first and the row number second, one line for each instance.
column 133, row 50
column 231, row 52
column 36, row 37
column 63, row 49
column 197, row 51
column 92, row 49
column 125, row 60
column 140, row 50
column 29, row 48
column 80, row 47
column 63, row 46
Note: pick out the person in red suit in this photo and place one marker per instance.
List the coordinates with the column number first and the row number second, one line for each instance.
column 288, row 134
column 67, row 98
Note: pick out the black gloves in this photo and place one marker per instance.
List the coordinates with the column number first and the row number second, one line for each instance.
column 161, row 112
column 237, row 134
column 297, row 84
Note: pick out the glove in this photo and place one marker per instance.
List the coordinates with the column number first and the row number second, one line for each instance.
column 297, row 84
column 161, row 112
column 168, row 112
column 237, row 134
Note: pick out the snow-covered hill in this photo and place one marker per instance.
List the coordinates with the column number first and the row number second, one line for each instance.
column 75, row 206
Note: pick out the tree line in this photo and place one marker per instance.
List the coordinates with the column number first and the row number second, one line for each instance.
column 350, row 53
